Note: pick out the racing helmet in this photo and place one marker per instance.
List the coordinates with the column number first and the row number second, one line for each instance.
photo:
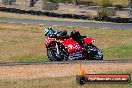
column 47, row 30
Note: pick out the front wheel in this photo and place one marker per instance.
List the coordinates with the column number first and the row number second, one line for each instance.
column 94, row 53
column 53, row 56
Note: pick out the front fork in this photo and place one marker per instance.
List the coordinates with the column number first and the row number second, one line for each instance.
column 57, row 48
column 59, row 53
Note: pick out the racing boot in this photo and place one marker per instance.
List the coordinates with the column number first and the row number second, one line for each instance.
column 85, row 48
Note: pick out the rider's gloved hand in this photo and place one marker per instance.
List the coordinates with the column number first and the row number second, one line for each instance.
column 85, row 47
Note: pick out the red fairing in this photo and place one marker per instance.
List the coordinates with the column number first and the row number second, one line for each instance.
column 71, row 45
column 48, row 40
column 89, row 40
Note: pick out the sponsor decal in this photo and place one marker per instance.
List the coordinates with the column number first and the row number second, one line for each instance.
column 110, row 78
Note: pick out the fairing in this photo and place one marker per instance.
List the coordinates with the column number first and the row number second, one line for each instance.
column 71, row 45
column 48, row 40
column 89, row 40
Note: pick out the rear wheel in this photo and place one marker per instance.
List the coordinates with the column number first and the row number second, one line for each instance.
column 94, row 53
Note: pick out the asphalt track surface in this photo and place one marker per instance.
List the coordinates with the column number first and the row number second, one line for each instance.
column 66, row 23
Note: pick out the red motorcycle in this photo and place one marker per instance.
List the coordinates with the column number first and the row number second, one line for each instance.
column 73, row 47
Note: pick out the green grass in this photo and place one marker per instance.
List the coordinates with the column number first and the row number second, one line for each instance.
column 121, row 51
column 28, row 58
column 23, row 43
column 114, row 2
column 59, row 82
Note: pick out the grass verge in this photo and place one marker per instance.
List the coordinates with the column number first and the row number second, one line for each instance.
column 114, row 2
column 22, row 43
column 59, row 82
column 33, row 17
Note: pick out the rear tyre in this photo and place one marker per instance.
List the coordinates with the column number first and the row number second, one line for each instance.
column 94, row 53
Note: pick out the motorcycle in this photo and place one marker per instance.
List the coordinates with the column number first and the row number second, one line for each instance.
column 72, row 48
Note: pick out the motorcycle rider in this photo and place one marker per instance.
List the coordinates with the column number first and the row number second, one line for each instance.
column 75, row 34
column 54, row 33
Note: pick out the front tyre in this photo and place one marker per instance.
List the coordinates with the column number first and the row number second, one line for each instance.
column 53, row 56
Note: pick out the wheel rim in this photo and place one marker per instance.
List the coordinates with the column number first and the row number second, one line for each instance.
column 95, row 53
column 61, row 56
column 99, row 55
